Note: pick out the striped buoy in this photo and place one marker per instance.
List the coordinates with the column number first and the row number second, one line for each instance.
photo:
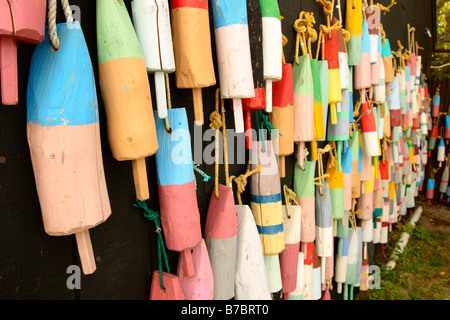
column 125, row 91
column 234, row 55
column 176, row 187
column 152, row 24
column 265, row 201
column 272, row 46
column 63, row 135
column 192, row 50
column 304, row 189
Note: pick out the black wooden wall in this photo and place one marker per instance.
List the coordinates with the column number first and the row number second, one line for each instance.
column 33, row 265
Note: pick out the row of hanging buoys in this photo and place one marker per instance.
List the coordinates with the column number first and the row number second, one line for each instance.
column 369, row 170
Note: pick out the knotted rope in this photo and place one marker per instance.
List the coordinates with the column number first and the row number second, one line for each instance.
column 290, row 198
column 217, row 122
column 154, row 216
column 321, row 172
column 241, row 181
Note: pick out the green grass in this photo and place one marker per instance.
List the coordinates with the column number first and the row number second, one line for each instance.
column 418, row 274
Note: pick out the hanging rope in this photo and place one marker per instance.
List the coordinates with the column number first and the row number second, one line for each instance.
column 290, row 198
column 386, row 9
column 154, row 216
column 51, row 16
column 203, row 174
column 321, row 172
column 241, row 181
column 218, row 121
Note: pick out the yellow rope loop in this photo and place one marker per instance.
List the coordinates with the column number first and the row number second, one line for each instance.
column 386, row 9
column 352, row 218
column 327, row 6
column 216, row 120
column 328, row 29
column 346, row 34
column 300, row 28
column 333, row 155
column 285, row 41
column 241, row 182
column 383, row 34
column 290, row 199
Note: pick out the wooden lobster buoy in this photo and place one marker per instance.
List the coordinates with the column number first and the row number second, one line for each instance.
column 289, row 256
column 331, row 54
column 256, row 49
column 423, row 123
column 340, row 274
column 325, row 87
column 373, row 14
column 201, row 285
column 352, row 275
column 319, row 128
column 282, row 116
column 379, row 90
column 388, row 61
column 441, row 152
column 336, row 182
column 20, row 22
column 365, row 203
column 324, row 226
column 363, row 71
column 353, row 24
column 340, row 131
column 376, row 66
column 63, row 123
column 369, row 131
column 221, row 240
column 265, row 202
column 192, row 49
column 221, row 222
column 394, row 103
column 304, row 189
column 273, row 271
column 180, row 216
column 353, row 143
column 152, row 24
column 297, row 294
column 272, row 46
column 347, row 171
column 308, row 253
column 343, row 56
column 172, row 290
column 408, row 84
column 447, row 128
column 233, row 55
column 436, row 104
column 316, row 275
column 303, row 103
column 251, row 279
column 126, row 91
column 433, row 136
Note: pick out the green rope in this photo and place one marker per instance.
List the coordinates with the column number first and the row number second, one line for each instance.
column 204, row 175
column 260, row 130
column 154, row 216
column 270, row 128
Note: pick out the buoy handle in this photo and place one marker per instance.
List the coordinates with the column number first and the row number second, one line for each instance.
column 140, row 179
column 198, row 106
column 8, row 69
column 85, row 251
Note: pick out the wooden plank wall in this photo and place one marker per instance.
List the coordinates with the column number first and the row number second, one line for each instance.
column 33, row 265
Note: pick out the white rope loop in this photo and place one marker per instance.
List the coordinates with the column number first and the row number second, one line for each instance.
column 51, row 16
